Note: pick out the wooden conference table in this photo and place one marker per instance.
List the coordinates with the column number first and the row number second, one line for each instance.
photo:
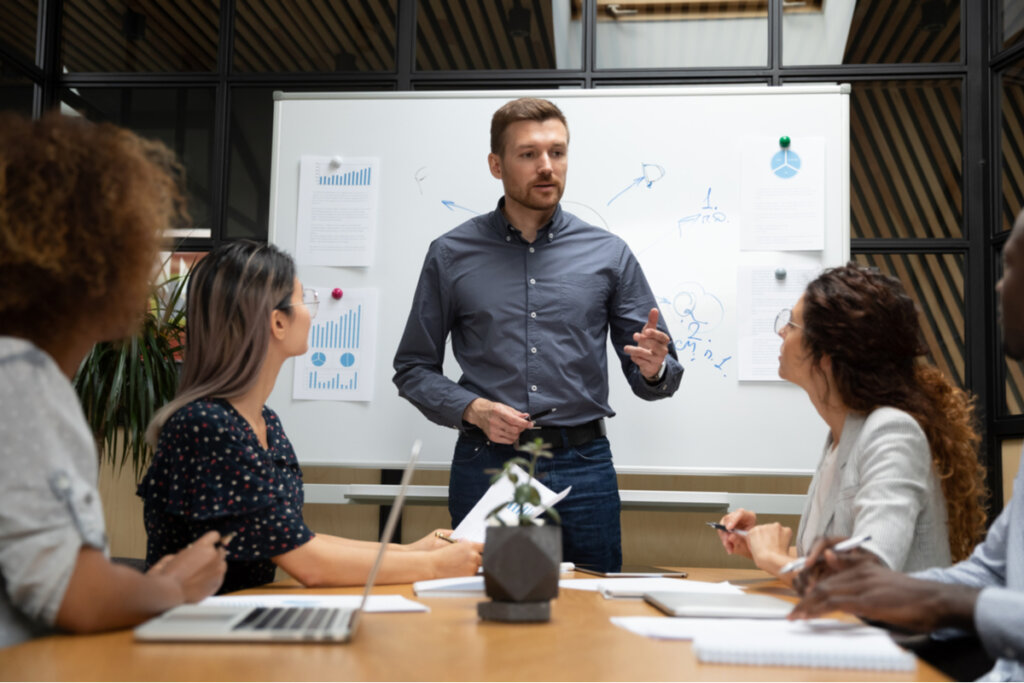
column 449, row 643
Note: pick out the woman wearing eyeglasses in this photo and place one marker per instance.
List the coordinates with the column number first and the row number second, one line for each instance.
column 222, row 459
column 900, row 460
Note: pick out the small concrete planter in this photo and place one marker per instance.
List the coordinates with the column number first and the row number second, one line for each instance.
column 521, row 570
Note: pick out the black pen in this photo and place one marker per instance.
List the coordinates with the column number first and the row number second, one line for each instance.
column 536, row 416
column 722, row 527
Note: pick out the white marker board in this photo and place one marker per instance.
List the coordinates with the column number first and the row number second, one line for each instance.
column 433, row 150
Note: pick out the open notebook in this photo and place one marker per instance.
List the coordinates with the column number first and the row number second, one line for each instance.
column 821, row 643
column 284, row 623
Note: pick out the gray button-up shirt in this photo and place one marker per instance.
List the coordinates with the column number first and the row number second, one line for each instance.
column 529, row 322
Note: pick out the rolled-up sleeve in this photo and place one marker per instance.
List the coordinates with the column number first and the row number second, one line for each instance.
column 51, row 508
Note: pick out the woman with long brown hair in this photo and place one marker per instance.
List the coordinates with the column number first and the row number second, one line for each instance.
column 900, row 462
column 222, row 459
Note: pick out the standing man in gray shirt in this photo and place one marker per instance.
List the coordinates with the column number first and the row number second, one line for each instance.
column 529, row 294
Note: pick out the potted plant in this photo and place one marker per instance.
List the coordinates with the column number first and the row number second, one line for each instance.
column 523, row 554
column 122, row 383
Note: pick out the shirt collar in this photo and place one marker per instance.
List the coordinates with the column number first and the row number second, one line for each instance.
column 559, row 219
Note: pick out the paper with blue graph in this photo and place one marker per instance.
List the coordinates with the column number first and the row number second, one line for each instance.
column 339, row 363
column 337, row 211
column 474, row 526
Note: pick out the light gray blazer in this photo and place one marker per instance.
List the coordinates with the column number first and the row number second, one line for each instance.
column 884, row 485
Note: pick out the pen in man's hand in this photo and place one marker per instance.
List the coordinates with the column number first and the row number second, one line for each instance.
column 849, row 544
column 722, row 527
column 536, row 416
column 223, row 541
column 445, row 538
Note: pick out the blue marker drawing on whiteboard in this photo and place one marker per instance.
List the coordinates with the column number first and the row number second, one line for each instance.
column 652, row 173
column 452, row 206
column 786, row 163
column 419, row 176
column 700, row 312
column 708, row 213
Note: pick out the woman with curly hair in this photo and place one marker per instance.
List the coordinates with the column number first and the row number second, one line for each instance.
column 900, row 462
column 82, row 210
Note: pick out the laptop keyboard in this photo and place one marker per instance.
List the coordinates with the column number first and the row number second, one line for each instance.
column 290, row 619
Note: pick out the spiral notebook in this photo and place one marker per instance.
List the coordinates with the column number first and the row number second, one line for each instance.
column 837, row 646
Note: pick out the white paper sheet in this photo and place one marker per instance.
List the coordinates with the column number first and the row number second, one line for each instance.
column 337, row 213
column 340, row 363
column 474, row 526
column 635, row 588
column 783, row 195
column 760, row 295
column 460, row 586
column 375, row 603
column 463, row 586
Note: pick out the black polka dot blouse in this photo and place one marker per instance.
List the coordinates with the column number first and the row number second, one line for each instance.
column 210, row 472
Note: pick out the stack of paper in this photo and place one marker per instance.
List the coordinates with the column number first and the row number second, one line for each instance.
column 635, row 588
column 458, row 587
column 776, row 642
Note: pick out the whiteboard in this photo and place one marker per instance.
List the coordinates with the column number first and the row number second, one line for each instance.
column 432, row 150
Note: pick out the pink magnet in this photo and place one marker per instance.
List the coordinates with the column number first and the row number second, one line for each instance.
column 336, row 293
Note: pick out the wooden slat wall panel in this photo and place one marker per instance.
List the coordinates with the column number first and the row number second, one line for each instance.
column 905, row 159
column 936, row 282
column 314, row 35
column 1014, row 387
column 472, row 35
column 1012, row 144
column 890, row 32
column 18, row 28
column 178, row 36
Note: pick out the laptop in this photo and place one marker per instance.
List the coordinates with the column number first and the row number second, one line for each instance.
column 735, row 605
column 211, row 623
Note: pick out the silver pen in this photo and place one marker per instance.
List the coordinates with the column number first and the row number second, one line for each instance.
column 849, row 544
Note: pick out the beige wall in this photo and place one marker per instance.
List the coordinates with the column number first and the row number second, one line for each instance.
column 1011, row 463
column 648, row 537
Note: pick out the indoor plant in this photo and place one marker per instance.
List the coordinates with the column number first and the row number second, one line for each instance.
column 122, row 383
column 523, row 554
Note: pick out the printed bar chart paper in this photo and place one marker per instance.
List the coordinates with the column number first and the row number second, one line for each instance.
column 337, row 213
column 339, row 363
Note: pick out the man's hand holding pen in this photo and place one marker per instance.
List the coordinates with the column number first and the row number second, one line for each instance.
column 501, row 423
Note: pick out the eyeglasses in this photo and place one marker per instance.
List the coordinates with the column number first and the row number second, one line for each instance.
column 785, row 319
column 309, row 298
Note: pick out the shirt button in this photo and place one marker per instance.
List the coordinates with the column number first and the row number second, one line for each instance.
column 533, row 350
column 533, row 388
column 533, row 314
column 508, row 238
column 531, row 250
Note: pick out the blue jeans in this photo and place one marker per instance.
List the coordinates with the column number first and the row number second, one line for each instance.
column 591, row 531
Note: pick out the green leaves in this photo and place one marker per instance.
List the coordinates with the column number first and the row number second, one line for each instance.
column 525, row 498
column 121, row 384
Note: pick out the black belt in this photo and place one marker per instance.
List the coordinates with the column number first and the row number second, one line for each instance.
column 558, row 437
